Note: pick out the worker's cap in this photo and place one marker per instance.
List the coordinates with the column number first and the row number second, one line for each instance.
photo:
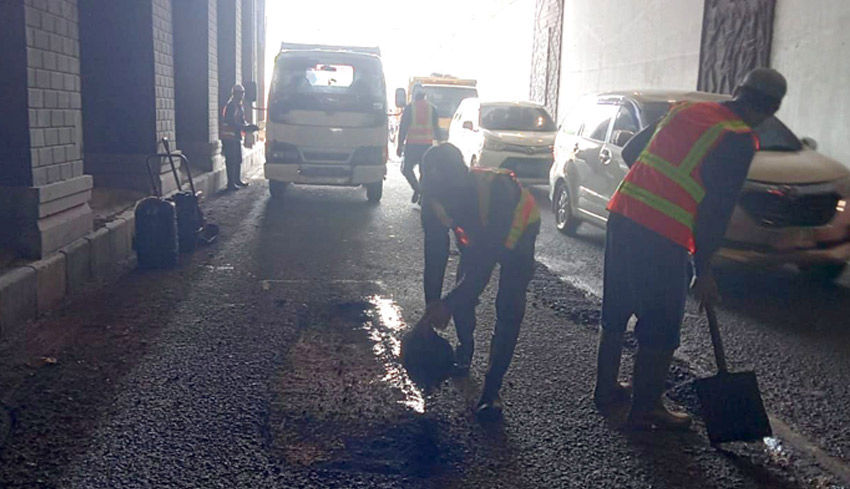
column 766, row 81
column 442, row 169
column 238, row 88
column 417, row 89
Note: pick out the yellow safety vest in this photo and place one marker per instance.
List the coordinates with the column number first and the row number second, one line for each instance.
column 421, row 129
column 526, row 211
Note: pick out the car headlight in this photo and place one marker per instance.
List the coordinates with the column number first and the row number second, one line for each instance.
column 493, row 144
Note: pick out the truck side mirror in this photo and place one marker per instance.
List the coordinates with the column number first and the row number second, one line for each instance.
column 468, row 126
column 251, row 91
column 400, row 97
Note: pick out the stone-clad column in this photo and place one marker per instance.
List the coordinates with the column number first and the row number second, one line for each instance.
column 128, row 89
column 229, row 47
column 44, row 194
column 196, row 79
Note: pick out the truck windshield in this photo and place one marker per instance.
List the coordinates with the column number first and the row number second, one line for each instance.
column 510, row 118
column 309, row 82
column 447, row 99
column 773, row 134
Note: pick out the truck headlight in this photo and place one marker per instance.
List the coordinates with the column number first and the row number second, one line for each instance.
column 278, row 152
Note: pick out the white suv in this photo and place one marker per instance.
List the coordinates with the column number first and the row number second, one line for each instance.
column 517, row 136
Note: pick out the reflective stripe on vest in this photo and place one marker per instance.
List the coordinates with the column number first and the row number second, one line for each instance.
column 226, row 131
column 663, row 189
column 526, row 211
column 421, row 130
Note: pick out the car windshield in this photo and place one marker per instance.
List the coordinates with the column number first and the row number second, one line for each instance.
column 512, row 118
column 309, row 82
column 447, row 99
column 773, row 134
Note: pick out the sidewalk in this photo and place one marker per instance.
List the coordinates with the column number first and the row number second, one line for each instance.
column 30, row 288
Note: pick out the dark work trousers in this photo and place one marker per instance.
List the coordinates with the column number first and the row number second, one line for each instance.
column 413, row 156
column 646, row 275
column 515, row 272
column 232, row 149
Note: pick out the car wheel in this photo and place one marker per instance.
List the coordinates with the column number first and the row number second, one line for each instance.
column 277, row 188
column 829, row 272
column 565, row 221
column 374, row 191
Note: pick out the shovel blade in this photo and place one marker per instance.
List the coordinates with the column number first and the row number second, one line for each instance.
column 732, row 407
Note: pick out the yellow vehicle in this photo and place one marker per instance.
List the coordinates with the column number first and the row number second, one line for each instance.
column 445, row 92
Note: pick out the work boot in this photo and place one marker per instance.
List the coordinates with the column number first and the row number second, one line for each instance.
column 463, row 360
column 609, row 393
column 648, row 411
column 415, row 198
column 490, row 408
column 240, row 183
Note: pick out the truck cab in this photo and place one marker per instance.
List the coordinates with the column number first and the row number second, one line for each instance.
column 327, row 121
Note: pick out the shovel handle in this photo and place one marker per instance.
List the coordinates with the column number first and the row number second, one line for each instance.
column 716, row 340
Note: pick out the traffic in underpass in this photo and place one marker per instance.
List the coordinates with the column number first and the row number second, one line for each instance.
column 477, row 245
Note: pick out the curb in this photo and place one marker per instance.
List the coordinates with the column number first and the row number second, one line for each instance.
column 102, row 255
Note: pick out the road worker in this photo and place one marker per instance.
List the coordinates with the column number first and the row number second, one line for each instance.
column 232, row 126
column 494, row 220
column 418, row 130
column 670, row 211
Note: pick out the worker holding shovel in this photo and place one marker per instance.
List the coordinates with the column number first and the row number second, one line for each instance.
column 673, row 206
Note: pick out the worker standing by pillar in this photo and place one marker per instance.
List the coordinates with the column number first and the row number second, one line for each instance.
column 419, row 127
column 495, row 220
column 232, row 125
column 672, row 209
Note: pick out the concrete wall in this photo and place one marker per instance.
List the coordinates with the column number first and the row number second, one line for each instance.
column 546, row 53
column 810, row 49
column 617, row 44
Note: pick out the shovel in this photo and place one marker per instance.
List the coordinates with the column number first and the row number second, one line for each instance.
column 731, row 402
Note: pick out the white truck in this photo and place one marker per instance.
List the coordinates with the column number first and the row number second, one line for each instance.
column 327, row 120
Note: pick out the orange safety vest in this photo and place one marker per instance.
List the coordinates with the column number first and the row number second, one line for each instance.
column 664, row 188
column 525, row 213
column 226, row 131
column 421, row 129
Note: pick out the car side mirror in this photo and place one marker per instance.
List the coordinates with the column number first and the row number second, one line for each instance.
column 622, row 137
column 809, row 143
column 468, row 126
column 400, row 97
column 251, row 91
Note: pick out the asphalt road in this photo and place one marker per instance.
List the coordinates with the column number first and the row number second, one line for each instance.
column 271, row 360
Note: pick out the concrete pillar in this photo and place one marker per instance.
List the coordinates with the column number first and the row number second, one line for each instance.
column 128, row 89
column 44, row 194
column 229, row 47
column 249, row 58
column 196, row 82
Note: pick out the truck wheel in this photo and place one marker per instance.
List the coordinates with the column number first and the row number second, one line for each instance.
column 828, row 272
column 277, row 188
column 374, row 191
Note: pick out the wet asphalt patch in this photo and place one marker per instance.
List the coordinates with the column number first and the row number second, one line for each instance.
column 370, row 416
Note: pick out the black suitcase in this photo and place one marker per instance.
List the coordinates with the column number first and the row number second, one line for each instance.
column 156, row 241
